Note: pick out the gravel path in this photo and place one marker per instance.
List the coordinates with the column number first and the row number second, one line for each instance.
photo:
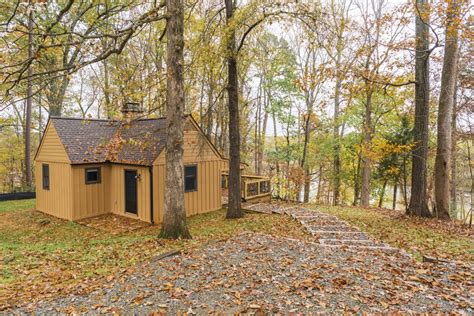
column 332, row 272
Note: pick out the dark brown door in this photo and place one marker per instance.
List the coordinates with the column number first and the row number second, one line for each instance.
column 131, row 191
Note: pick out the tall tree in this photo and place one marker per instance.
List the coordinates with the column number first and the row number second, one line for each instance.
column 419, row 197
column 374, row 59
column 454, row 138
column 29, row 97
column 234, row 209
column 311, row 80
column 445, row 112
column 341, row 14
column 174, row 220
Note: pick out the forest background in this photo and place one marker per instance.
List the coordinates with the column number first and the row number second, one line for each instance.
column 326, row 92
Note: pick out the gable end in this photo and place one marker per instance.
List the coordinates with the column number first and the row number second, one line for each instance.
column 51, row 148
column 197, row 147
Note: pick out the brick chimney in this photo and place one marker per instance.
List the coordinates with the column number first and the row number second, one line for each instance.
column 130, row 110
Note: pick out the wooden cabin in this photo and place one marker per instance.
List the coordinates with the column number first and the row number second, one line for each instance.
column 89, row 167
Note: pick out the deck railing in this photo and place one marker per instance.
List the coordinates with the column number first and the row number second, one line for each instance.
column 251, row 186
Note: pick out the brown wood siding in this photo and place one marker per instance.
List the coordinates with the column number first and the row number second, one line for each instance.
column 117, row 191
column 225, row 165
column 90, row 199
column 56, row 201
column 197, row 151
column 51, row 149
column 206, row 198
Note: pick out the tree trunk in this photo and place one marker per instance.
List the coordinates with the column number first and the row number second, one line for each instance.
column 403, row 186
column 382, row 194
column 29, row 97
column 234, row 209
column 445, row 112
column 394, row 203
column 56, row 96
column 304, row 164
column 320, row 183
column 40, row 120
column 174, row 220
column 256, row 138
column 307, row 185
column 472, row 187
column 287, row 137
column 263, row 132
column 275, row 139
column 337, row 146
column 453, row 154
column 356, row 182
column 108, row 102
column 209, row 112
column 418, row 198
column 366, row 161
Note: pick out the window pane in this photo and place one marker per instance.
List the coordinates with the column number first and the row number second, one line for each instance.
column 190, row 184
column 190, row 178
column 92, row 175
column 46, row 177
column 190, row 171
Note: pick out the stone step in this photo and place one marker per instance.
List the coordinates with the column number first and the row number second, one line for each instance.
column 338, row 235
column 325, row 222
column 328, row 241
column 331, row 228
column 364, row 247
column 351, row 242
column 328, row 229
column 312, row 216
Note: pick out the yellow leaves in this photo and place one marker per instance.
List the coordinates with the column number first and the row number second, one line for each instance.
column 384, row 304
column 168, row 286
column 380, row 147
column 393, row 170
column 371, row 277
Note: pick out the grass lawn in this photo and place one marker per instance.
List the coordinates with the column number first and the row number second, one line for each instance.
column 38, row 259
column 16, row 206
column 418, row 236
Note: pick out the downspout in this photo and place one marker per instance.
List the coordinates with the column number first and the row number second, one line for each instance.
column 150, row 169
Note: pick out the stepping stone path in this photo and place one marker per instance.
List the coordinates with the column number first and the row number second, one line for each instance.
column 329, row 230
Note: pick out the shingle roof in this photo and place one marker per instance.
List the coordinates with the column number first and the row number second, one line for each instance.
column 142, row 141
column 93, row 141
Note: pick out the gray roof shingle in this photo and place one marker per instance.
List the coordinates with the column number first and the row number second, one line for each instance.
column 94, row 141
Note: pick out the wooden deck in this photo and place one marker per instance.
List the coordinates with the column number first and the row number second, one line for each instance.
column 254, row 189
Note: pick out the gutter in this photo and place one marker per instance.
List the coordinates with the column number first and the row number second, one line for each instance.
column 150, row 169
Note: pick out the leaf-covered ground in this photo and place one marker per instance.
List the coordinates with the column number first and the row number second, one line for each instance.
column 259, row 272
column 42, row 256
column 262, row 263
column 418, row 236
